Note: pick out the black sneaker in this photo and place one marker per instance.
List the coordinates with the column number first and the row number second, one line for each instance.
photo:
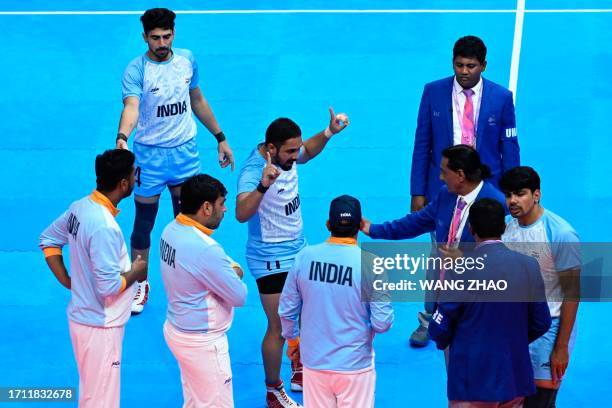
column 420, row 337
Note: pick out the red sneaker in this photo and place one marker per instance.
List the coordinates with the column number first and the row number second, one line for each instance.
column 276, row 397
column 297, row 384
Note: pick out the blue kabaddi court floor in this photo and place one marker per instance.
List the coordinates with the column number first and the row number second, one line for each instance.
column 61, row 104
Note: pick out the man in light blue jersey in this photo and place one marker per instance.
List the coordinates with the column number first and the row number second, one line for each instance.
column 335, row 341
column 100, row 279
column 540, row 233
column 268, row 199
column 203, row 286
column 160, row 91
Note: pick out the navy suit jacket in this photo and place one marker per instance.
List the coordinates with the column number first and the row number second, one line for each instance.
column 436, row 216
column 489, row 341
column 496, row 139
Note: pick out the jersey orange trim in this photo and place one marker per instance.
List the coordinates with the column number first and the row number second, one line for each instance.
column 123, row 284
column 190, row 222
column 98, row 197
column 342, row 241
column 50, row 251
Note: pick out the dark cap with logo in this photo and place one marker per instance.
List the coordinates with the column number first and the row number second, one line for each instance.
column 344, row 214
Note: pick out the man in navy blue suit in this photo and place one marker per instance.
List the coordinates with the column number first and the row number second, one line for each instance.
column 462, row 109
column 488, row 332
column 464, row 177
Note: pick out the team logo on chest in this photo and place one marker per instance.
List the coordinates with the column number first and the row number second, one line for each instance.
column 292, row 206
column 172, row 109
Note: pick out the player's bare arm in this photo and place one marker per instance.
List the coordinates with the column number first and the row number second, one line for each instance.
column 57, row 266
column 128, row 121
column 315, row 144
column 559, row 359
column 204, row 113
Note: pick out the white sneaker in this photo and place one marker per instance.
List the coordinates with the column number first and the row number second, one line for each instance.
column 276, row 397
column 142, row 295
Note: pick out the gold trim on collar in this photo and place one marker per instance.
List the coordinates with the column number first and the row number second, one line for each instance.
column 98, row 197
column 342, row 241
column 190, row 222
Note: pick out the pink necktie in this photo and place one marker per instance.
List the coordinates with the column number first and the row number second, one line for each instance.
column 452, row 233
column 467, row 124
column 454, row 227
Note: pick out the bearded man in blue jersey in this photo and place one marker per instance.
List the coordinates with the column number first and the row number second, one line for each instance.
column 160, row 91
column 269, row 200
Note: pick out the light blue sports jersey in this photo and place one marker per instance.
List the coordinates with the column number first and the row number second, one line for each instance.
column 275, row 230
column 201, row 286
column 554, row 243
column 164, row 118
column 98, row 257
column 323, row 296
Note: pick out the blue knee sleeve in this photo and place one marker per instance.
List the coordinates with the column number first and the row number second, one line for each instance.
column 176, row 204
column 143, row 224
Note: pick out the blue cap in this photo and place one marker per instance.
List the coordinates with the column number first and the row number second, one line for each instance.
column 344, row 214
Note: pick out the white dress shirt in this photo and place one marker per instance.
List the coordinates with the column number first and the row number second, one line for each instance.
column 469, row 200
column 458, row 100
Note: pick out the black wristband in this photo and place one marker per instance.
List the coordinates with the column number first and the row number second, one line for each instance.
column 122, row 137
column 220, row 137
column 261, row 188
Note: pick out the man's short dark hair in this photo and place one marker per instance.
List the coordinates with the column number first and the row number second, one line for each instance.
column 519, row 178
column 112, row 166
column 466, row 158
column 470, row 47
column 281, row 130
column 487, row 218
column 157, row 18
column 197, row 190
column 342, row 233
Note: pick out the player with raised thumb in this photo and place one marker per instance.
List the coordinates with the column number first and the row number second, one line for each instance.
column 337, row 123
column 269, row 200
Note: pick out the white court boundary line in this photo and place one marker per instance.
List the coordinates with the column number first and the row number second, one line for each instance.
column 516, row 47
column 305, row 11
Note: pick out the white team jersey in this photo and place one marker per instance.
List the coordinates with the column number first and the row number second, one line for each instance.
column 553, row 243
column 324, row 301
column 164, row 118
column 201, row 286
column 276, row 230
column 280, row 213
column 98, row 256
